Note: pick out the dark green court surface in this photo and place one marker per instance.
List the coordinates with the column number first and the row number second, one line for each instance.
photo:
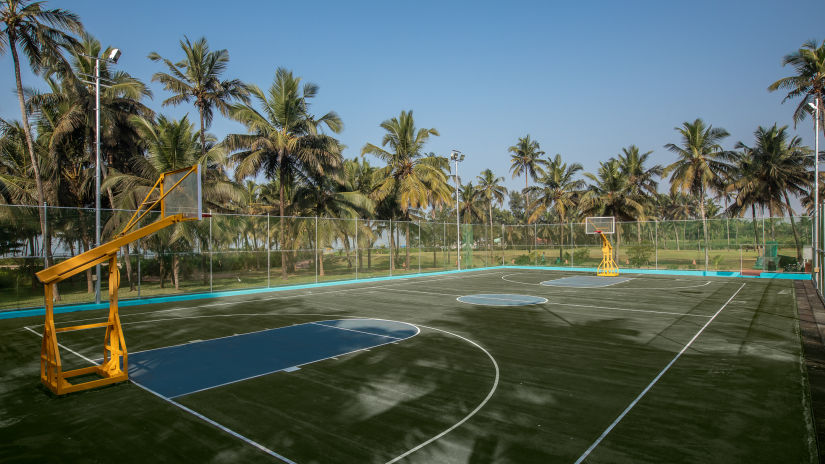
column 650, row 370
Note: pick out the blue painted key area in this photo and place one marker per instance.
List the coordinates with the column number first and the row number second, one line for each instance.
column 184, row 369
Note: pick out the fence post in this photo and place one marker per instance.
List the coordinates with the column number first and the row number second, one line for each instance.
column 356, row 248
column 210, row 251
column 268, row 240
column 741, row 268
column 572, row 245
column 419, row 246
column 502, row 244
column 390, row 244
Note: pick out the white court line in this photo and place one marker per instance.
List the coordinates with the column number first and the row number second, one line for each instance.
column 282, row 297
column 655, row 379
column 194, row 413
column 546, row 284
column 628, row 309
column 219, row 426
column 487, row 296
column 504, row 277
column 359, row 331
column 64, row 347
column 468, row 416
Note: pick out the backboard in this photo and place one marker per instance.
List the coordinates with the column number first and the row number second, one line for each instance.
column 600, row 224
column 183, row 193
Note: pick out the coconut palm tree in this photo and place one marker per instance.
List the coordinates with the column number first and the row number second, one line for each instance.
column 284, row 140
column 41, row 34
column 526, row 159
column 557, row 191
column 701, row 166
column 411, row 179
column 808, row 82
column 642, row 179
column 171, row 145
column 777, row 165
column 492, row 192
column 198, row 77
column 610, row 194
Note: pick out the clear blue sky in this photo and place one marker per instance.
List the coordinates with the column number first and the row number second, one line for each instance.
column 584, row 78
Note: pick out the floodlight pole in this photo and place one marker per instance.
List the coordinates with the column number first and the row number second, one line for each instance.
column 457, row 156
column 97, row 174
column 815, row 239
column 114, row 54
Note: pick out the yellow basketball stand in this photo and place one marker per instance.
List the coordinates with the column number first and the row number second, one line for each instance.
column 179, row 197
column 608, row 267
column 601, row 226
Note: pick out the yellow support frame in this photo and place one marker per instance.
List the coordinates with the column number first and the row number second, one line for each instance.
column 608, row 267
column 114, row 367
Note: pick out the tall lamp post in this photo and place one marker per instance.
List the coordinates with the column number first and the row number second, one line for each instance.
column 457, row 156
column 815, row 244
column 111, row 57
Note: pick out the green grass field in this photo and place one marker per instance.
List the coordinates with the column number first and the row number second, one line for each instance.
column 654, row 369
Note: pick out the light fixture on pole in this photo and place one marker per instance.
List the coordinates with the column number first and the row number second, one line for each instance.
column 815, row 242
column 111, row 57
column 457, row 156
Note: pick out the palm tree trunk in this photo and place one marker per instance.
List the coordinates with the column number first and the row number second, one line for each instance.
column 320, row 261
column 793, row 228
column 176, row 270
column 203, row 132
column 704, row 226
column 755, row 233
column 526, row 199
column 281, row 202
column 41, row 196
column 407, row 246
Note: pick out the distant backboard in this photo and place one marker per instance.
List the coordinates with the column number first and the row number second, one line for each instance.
column 184, row 193
column 603, row 224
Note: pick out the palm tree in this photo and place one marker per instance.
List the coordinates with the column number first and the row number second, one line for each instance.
column 411, row 179
column 173, row 145
column 778, row 165
column 557, row 191
column 198, row 77
column 526, row 159
column 285, row 140
column 493, row 192
column 642, row 180
column 611, row 194
column 701, row 165
column 808, row 82
column 41, row 34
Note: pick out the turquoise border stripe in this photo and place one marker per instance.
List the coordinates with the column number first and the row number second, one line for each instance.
column 16, row 313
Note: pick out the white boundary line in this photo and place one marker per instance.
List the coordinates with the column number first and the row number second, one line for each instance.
column 194, row 413
column 504, row 277
column 490, row 297
column 468, row 416
column 219, row 426
column 653, row 382
column 64, row 347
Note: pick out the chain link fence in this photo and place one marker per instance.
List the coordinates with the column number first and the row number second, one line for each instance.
column 234, row 251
